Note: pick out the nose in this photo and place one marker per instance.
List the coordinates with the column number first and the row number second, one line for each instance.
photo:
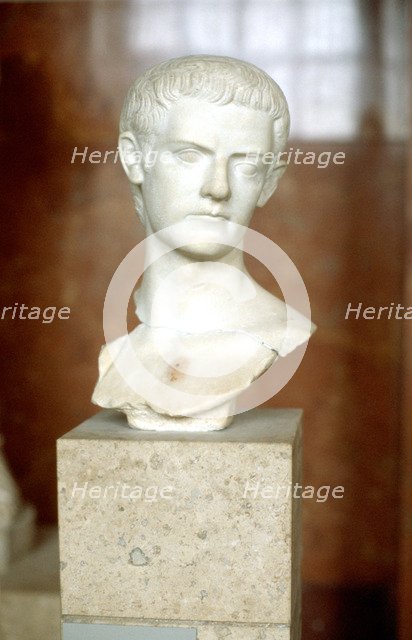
column 216, row 185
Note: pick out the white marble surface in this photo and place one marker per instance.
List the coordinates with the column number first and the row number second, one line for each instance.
column 199, row 142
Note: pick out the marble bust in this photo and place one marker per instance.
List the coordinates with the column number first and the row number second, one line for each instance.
column 196, row 134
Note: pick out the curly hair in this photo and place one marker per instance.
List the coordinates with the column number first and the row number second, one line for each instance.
column 217, row 79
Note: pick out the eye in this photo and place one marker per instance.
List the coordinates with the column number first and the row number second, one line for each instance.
column 190, row 156
column 248, row 169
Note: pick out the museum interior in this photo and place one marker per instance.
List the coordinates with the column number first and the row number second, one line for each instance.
column 342, row 213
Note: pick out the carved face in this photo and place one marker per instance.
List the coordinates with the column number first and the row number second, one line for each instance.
column 202, row 172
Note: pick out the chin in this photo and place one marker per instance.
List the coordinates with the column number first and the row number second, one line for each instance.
column 205, row 250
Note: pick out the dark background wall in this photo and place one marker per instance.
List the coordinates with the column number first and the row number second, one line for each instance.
column 66, row 226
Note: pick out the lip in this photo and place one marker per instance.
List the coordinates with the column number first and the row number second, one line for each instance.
column 207, row 216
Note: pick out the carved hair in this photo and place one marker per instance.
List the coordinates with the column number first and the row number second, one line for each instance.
column 216, row 79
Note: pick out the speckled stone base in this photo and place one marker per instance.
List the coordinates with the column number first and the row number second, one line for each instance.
column 183, row 526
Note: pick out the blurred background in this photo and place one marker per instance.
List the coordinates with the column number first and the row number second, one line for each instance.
column 67, row 224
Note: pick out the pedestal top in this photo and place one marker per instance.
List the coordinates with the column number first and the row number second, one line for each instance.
column 258, row 425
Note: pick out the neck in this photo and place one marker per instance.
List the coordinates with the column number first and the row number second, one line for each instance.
column 187, row 293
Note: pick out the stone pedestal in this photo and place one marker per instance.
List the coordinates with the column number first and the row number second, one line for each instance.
column 181, row 530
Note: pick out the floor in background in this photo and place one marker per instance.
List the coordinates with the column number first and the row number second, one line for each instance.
column 30, row 593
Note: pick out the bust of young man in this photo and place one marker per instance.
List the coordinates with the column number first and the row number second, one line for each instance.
column 195, row 133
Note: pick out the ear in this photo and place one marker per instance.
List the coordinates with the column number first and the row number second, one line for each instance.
column 131, row 157
column 271, row 184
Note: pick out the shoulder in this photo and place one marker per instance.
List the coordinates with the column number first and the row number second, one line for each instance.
column 275, row 323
